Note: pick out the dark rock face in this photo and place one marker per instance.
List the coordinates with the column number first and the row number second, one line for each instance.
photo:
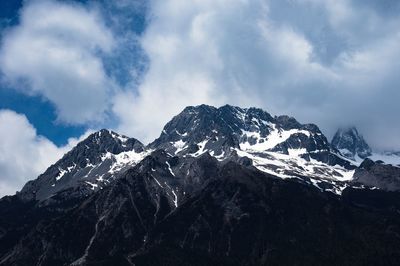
column 235, row 215
column 350, row 143
column 243, row 218
column 106, row 225
column 222, row 127
column 378, row 175
column 76, row 167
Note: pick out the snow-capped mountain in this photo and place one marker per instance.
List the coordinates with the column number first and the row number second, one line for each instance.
column 219, row 130
column 220, row 186
column 351, row 143
column 92, row 164
column 277, row 145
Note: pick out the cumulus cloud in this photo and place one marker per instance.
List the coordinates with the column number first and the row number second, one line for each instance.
column 24, row 154
column 55, row 52
column 329, row 62
column 216, row 52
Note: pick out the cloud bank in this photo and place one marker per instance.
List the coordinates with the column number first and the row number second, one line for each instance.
column 329, row 62
column 24, row 154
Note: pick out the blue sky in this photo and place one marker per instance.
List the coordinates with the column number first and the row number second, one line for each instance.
column 69, row 67
column 40, row 113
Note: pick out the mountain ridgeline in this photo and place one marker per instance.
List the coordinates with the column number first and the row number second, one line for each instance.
column 220, row 186
column 351, row 144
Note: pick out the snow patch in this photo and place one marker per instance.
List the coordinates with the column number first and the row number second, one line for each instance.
column 123, row 139
column 275, row 137
column 175, row 199
column 124, row 159
column 201, row 146
column 158, row 182
column 179, row 145
column 62, row 172
column 93, row 185
column 291, row 166
column 297, row 152
column 180, row 134
column 169, row 168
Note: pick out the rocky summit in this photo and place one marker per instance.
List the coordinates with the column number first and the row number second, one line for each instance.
column 220, row 186
column 351, row 143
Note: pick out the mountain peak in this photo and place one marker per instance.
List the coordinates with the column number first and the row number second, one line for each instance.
column 229, row 131
column 91, row 162
column 103, row 141
column 217, row 127
column 107, row 134
column 351, row 143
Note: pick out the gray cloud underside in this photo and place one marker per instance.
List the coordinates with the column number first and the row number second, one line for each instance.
column 331, row 62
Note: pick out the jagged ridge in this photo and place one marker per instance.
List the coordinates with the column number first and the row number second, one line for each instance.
column 220, row 186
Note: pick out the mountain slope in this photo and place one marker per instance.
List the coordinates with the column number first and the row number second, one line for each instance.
column 235, row 215
column 378, row 175
column 245, row 218
column 87, row 167
column 220, row 186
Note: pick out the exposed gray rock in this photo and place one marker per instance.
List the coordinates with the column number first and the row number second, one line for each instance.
column 351, row 143
column 220, row 130
column 378, row 175
column 84, row 164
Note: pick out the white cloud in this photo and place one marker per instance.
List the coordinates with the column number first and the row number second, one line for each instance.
column 55, row 52
column 214, row 52
column 24, row 154
column 328, row 62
